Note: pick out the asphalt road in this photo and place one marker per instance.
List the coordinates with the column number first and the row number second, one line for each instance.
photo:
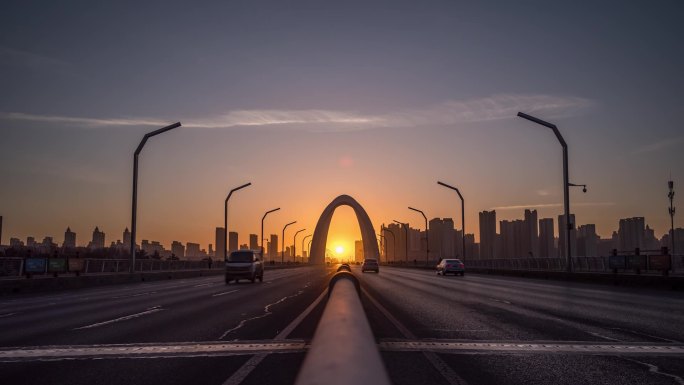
column 431, row 330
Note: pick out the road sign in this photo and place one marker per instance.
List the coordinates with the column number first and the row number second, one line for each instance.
column 636, row 262
column 617, row 262
column 659, row 262
column 35, row 265
column 76, row 264
column 57, row 265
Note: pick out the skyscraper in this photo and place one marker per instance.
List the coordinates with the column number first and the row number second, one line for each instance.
column 192, row 250
column 487, row 234
column 219, row 242
column 127, row 239
column 69, row 239
column 531, row 240
column 178, row 249
column 546, row 238
column 98, row 240
column 273, row 249
column 631, row 233
column 253, row 242
column 587, row 241
column 358, row 251
column 232, row 241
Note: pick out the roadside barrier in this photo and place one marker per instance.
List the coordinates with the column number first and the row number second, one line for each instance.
column 343, row 350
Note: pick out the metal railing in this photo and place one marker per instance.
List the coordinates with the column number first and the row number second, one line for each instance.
column 343, row 350
column 579, row 264
column 17, row 267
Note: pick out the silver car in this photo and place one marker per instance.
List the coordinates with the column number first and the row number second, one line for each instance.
column 451, row 266
column 244, row 264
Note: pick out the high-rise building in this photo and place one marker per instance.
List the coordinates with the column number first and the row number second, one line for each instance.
column 211, row 251
column 399, row 254
column 127, row 238
column 232, row 241
column 31, row 242
column 253, row 242
column 587, row 241
column 563, row 233
column 192, row 250
column 220, row 243
column 487, row 234
column 98, row 241
column 273, row 247
column 442, row 238
column 547, row 247
column 631, row 233
column 358, row 251
column 69, row 239
column 530, row 241
column 178, row 249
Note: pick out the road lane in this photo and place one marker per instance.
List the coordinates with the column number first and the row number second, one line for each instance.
column 513, row 314
column 191, row 311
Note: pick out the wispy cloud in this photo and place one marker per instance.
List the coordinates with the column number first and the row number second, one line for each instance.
column 551, row 205
column 497, row 107
column 33, row 61
column 659, row 145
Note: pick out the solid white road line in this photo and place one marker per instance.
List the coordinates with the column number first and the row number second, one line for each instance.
column 124, row 318
column 253, row 362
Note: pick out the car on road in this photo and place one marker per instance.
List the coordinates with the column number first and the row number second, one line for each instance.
column 451, row 266
column 370, row 265
column 244, row 264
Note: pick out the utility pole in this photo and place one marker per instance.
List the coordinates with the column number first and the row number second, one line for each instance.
column 671, row 209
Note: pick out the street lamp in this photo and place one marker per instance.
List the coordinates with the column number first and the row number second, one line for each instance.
column 282, row 251
column 304, row 239
column 394, row 241
column 225, row 219
column 134, row 205
column 427, row 237
column 294, row 245
column 308, row 249
column 405, row 226
column 262, row 231
column 566, row 184
column 383, row 241
column 462, row 215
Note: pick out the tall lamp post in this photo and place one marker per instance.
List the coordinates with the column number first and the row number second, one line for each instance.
column 294, row 245
column 282, row 251
column 308, row 248
column 394, row 242
column 462, row 216
column 671, row 210
column 405, row 226
column 304, row 239
column 134, row 205
column 262, row 230
column 383, row 241
column 225, row 219
column 566, row 184
column 427, row 237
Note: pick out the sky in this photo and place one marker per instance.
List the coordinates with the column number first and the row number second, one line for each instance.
column 308, row 100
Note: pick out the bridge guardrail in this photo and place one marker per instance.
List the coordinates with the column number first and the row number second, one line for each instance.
column 343, row 350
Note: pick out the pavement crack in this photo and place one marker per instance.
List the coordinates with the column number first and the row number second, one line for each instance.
column 267, row 312
column 654, row 369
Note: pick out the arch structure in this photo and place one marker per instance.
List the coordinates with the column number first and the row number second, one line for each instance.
column 320, row 236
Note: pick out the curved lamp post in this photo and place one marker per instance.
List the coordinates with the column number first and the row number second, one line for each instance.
column 427, row 237
column 304, row 239
column 262, row 230
column 225, row 219
column 282, row 252
column 294, row 245
column 462, row 215
column 134, row 206
column 394, row 242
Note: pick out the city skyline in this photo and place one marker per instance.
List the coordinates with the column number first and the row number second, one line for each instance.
column 369, row 105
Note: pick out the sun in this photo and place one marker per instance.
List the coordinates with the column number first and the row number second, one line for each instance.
column 339, row 249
